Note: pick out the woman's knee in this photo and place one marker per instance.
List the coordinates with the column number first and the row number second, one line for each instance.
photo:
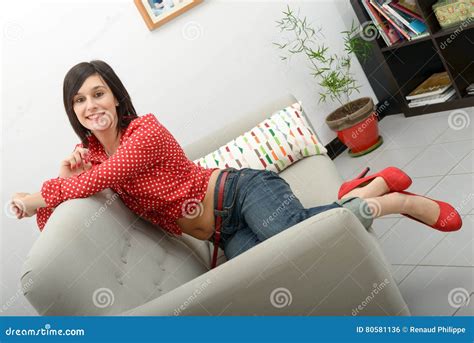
column 360, row 208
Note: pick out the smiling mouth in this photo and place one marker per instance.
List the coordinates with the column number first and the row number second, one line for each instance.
column 95, row 115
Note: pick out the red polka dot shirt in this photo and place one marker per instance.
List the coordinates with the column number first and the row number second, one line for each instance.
column 149, row 171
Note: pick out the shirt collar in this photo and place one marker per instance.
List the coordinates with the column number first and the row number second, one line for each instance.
column 96, row 150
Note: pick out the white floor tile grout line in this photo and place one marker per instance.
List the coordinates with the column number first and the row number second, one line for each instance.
column 411, row 271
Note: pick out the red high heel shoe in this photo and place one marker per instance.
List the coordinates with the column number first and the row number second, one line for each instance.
column 448, row 220
column 395, row 178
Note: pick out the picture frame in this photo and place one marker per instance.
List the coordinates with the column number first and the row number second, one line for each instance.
column 158, row 12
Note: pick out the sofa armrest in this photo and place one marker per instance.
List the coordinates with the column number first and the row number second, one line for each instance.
column 96, row 257
column 325, row 265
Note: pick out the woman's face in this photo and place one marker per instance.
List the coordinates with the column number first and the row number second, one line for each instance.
column 95, row 105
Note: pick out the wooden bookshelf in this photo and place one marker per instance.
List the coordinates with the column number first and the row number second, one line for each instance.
column 395, row 71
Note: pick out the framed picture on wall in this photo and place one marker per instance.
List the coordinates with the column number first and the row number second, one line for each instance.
column 158, row 12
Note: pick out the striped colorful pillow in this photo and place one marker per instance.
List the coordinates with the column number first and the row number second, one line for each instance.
column 274, row 144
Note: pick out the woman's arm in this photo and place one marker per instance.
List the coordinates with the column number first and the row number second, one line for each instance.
column 36, row 200
column 26, row 205
column 142, row 150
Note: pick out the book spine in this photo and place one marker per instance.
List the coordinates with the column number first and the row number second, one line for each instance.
column 377, row 21
column 405, row 22
column 407, row 11
column 424, row 95
column 390, row 20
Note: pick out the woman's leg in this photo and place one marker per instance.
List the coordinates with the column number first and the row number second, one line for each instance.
column 418, row 207
column 374, row 188
column 241, row 241
column 268, row 206
column 382, row 204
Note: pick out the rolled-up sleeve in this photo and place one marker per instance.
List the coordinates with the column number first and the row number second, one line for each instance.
column 42, row 216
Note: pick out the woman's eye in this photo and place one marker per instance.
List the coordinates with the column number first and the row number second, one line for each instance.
column 99, row 94
column 78, row 100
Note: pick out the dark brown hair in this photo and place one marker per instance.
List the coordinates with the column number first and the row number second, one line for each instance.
column 73, row 81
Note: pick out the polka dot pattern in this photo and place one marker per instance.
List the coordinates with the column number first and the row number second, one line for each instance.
column 149, row 171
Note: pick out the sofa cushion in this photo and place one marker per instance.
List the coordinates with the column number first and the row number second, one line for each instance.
column 274, row 144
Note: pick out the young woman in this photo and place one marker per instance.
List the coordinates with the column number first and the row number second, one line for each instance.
column 140, row 160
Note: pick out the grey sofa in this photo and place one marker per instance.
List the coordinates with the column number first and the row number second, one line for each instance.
column 96, row 257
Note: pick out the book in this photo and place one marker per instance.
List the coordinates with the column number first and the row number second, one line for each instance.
column 425, row 34
column 410, row 5
column 434, row 99
column 470, row 89
column 393, row 34
column 411, row 23
column 435, row 84
column 399, row 7
column 379, row 24
column 398, row 26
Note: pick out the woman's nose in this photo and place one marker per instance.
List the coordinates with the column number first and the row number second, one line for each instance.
column 90, row 104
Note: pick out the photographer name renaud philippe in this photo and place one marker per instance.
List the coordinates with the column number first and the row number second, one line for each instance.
column 438, row 329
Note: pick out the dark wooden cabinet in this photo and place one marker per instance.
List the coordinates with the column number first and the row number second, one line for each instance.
column 395, row 71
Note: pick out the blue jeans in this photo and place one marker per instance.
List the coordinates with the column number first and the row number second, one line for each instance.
column 258, row 204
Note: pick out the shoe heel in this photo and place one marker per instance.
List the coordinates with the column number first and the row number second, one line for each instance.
column 363, row 173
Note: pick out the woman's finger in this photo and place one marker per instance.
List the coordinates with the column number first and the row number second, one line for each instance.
column 72, row 162
column 77, row 156
column 17, row 210
column 87, row 166
column 84, row 156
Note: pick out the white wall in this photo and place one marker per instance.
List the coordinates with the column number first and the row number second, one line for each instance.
column 193, row 86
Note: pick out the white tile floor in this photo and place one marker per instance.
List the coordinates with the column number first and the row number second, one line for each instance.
column 434, row 270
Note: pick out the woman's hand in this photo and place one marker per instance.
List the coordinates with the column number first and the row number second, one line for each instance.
column 77, row 163
column 22, row 205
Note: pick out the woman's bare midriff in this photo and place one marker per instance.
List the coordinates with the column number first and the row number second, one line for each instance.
column 202, row 227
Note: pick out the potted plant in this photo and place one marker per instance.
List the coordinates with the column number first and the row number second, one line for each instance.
column 355, row 122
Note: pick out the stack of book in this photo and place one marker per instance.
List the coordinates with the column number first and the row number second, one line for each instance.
column 435, row 89
column 470, row 89
column 396, row 20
